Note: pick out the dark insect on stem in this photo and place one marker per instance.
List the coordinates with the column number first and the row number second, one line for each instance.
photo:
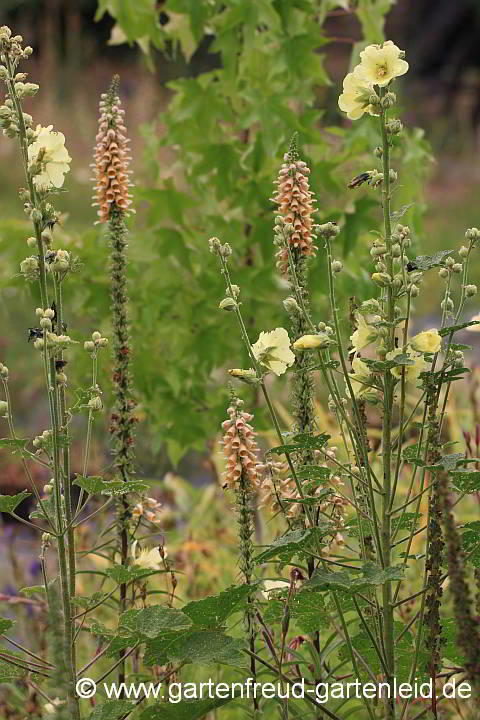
column 359, row 180
column 34, row 334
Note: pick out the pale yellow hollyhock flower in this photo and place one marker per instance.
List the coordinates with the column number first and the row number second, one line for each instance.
column 355, row 96
column 54, row 158
column 363, row 335
column 427, row 341
column 412, row 372
column 361, row 375
column 309, row 342
column 272, row 350
column 149, row 559
column 474, row 328
column 271, row 585
column 380, row 64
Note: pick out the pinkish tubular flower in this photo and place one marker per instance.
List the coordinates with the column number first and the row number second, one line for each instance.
column 111, row 157
column 296, row 205
column 239, row 447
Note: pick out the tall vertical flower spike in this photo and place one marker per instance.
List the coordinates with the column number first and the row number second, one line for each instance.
column 111, row 157
column 295, row 203
column 239, row 447
column 114, row 201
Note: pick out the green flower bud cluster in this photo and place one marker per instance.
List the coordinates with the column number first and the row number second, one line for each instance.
column 11, row 46
column 95, row 403
column 29, row 268
column 228, row 304
column 96, row 343
column 217, row 248
column 3, row 372
column 327, row 230
column 58, row 261
column 43, row 441
column 3, row 408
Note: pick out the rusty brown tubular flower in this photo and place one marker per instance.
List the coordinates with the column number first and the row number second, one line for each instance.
column 111, row 155
column 296, row 204
column 239, row 447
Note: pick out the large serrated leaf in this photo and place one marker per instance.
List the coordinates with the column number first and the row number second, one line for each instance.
column 307, row 608
column 8, row 503
column 10, row 672
column 13, row 443
column 95, row 485
column 111, row 710
column 470, row 542
column 184, row 710
column 211, row 612
column 453, row 328
column 203, row 647
column 152, row 621
column 404, row 653
column 466, row 481
column 314, row 472
column 302, row 442
column 122, row 574
column 5, row 625
column 427, row 262
column 369, row 575
column 294, row 542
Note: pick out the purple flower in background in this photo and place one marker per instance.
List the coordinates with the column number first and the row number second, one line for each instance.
column 35, row 567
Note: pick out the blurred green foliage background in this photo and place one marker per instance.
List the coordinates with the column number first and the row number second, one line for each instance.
column 213, row 92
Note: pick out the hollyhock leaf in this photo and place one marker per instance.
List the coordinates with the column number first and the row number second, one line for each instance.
column 9, row 503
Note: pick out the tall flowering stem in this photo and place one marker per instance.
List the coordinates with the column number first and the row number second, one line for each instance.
column 468, row 634
column 45, row 162
column 240, row 450
column 114, row 200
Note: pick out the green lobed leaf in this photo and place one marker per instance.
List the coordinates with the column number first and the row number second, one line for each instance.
column 471, row 542
column 427, row 262
column 9, row 503
column 404, row 652
column 302, row 442
column 371, row 575
column 95, row 485
column 33, row 590
column 152, row 621
column 111, row 710
column 203, row 647
column 15, row 443
column 122, row 574
column 454, row 328
column 184, row 710
column 314, row 472
column 211, row 612
column 294, row 542
column 5, row 625
column 307, row 608
column 465, row 481
column 10, row 672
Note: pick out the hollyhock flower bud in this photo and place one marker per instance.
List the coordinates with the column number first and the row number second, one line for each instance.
column 95, row 403
column 470, row 290
column 3, row 408
column 228, row 304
